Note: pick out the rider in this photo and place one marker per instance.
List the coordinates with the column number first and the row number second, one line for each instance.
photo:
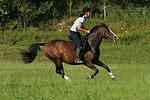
column 79, row 26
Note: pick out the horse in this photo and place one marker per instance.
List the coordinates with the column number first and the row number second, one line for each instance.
column 59, row 51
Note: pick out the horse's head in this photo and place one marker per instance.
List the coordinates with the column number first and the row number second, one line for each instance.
column 107, row 33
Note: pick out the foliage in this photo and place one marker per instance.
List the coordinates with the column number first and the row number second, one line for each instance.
column 130, row 21
column 25, row 13
column 128, row 33
column 5, row 8
column 29, row 10
column 16, row 37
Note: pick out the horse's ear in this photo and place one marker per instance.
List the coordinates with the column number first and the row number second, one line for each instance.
column 102, row 23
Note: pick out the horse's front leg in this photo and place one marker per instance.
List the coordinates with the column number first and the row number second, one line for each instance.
column 99, row 63
column 91, row 66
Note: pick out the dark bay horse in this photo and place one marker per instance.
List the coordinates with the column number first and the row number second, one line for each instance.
column 59, row 51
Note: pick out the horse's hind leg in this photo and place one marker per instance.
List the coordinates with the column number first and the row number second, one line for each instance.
column 99, row 63
column 60, row 70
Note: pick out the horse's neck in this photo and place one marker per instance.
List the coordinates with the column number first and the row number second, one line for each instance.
column 95, row 40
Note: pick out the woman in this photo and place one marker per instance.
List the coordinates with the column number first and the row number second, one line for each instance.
column 79, row 26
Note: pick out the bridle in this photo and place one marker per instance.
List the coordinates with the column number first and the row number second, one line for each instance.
column 104, row 32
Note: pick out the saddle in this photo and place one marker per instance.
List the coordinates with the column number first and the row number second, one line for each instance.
column 85, row 45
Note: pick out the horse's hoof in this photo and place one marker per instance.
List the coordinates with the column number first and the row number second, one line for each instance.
column 113, row 79
column 89, row 77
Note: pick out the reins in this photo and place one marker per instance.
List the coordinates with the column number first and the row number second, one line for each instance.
column 104, row 32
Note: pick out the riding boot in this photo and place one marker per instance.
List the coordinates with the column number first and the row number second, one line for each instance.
column 77, row 60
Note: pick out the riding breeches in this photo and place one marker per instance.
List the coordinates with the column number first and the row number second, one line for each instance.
column 76, row 38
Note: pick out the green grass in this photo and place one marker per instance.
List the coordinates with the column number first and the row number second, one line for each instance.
column 38, row 80
column 125, row 54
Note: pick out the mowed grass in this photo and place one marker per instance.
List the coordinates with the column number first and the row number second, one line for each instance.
column 38, row 80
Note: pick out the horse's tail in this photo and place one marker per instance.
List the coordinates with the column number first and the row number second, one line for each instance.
column 29, row 56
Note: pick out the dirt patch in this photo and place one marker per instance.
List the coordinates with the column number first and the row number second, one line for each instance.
column 16, row 50
column 1, row 42
column 1, row 54
column 61, row 23
column 42, row 57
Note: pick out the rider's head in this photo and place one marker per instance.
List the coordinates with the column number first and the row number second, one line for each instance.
column 85, row 12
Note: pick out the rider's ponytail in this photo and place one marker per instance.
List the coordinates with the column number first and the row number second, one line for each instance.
column 81, row 14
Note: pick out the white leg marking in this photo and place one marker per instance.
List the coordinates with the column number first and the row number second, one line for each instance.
column 111, row 74
column 89, row 77
column 66, row 78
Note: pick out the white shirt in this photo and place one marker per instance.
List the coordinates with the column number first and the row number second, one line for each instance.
column 76, row 23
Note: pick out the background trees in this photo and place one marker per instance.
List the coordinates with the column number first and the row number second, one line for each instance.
column 24, row 13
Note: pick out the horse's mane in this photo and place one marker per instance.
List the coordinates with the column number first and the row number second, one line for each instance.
column 96, row 27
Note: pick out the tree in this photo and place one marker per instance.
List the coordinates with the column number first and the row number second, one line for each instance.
column 30, row 10
column 70, row 7
column 5, row 9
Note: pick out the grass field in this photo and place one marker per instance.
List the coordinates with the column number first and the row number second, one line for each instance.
column 38, row 80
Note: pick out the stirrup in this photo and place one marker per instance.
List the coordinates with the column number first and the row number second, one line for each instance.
column 78, row 61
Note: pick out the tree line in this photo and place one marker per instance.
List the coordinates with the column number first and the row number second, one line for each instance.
column 24, row 13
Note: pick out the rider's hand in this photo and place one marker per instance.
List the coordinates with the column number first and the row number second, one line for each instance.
column 88, row 31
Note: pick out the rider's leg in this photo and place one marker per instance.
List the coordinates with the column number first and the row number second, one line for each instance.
column 78, row 54
column 76, row 38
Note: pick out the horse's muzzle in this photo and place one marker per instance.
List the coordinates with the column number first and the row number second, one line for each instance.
column 114, row 38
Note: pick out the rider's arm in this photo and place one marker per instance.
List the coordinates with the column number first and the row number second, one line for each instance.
column 80, row 28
